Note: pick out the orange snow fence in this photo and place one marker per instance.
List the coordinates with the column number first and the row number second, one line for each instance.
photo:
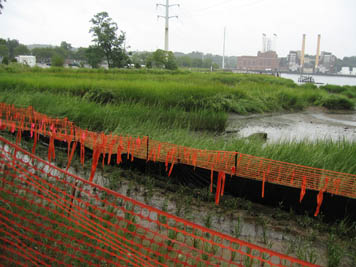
column 49, row 217
column 228, row 162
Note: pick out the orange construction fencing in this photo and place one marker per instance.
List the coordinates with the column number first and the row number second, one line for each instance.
column 51, row 217
column 225, row 162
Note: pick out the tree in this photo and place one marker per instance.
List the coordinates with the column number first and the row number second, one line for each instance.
column 105, row 38
column 11, row 45
column 66, row 49
column 80, row 54
column 159, row 58
column 184, row 61
column 61, row 52
column 57, row 61
column 66, row 46
column 4, row 51
column 21, row 50
column 94, row 56
column 43, row 54
column 162, row 59
column 171, row 63
column 5, row 61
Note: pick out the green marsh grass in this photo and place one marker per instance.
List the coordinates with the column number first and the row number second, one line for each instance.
column 184, row 108
column 190, row 91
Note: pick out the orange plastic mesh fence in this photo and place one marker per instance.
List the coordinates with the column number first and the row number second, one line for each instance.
column 51, row 217
column 227, row 162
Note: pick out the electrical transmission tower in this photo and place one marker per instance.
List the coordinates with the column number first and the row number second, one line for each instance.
column 167, row 17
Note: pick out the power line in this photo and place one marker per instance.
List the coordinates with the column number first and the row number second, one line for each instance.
column 167, row 17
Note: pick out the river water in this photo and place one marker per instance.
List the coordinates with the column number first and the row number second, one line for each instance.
column 337, row 80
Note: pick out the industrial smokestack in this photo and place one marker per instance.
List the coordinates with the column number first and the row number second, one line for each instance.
column 317, row 54
column 269, row 44
column 302, row 55
column 274, row 42
column 264, row 43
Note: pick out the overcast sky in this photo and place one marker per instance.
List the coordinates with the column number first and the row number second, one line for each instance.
column 200, row 26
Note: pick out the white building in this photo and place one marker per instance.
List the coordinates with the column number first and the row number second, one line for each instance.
column 27, row 60
column 353, row 71
column 345, row 71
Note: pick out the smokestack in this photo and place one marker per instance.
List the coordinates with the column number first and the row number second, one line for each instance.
column 264, row 44
column 317, row 54
column 302, row 55
column 274, row 43
column 269, row 44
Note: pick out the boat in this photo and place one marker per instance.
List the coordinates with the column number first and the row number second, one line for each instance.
column 306, row 79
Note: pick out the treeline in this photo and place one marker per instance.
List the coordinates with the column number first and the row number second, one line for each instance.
column 346, row 62
column 9, row 49
column 88, row 56
column 55, row 55
column 201, row 60
column 189, row 60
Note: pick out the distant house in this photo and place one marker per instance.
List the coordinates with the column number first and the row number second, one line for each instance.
column 27, row 60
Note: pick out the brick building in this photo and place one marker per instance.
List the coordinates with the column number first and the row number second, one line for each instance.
column 262, row 62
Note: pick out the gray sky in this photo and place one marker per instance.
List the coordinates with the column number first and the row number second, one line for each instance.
column 200, row 25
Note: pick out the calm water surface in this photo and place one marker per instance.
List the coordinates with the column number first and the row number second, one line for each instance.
column 324, row 79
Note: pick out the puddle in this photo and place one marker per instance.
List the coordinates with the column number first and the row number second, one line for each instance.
column 309, row 125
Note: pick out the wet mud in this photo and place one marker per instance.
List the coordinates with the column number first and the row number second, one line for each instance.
column 312, row 124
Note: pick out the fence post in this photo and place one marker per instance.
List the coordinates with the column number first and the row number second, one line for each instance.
column 148, row 141
column 73, row 196
column 236, row 162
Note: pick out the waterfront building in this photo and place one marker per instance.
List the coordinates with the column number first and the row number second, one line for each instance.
column 353, row 71
column 264, row 61
column 345, row 71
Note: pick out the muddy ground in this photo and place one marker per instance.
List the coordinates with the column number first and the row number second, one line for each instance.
column 312, row 124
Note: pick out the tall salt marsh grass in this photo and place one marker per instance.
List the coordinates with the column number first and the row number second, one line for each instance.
column 190, row 91
column 126, row 117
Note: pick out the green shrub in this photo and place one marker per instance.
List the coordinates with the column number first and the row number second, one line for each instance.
column 350, row 93
column 57, row 61
column 331, row 88
column 5, row 61
column 290, row 101
column 338, row 102
column 308, row 86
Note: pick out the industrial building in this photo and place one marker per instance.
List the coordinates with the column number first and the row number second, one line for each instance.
column 266, row 59
column 323, row 62
column 347, row 71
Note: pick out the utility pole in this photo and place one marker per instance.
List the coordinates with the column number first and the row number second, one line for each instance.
column 167, row 17
column 223, row 62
